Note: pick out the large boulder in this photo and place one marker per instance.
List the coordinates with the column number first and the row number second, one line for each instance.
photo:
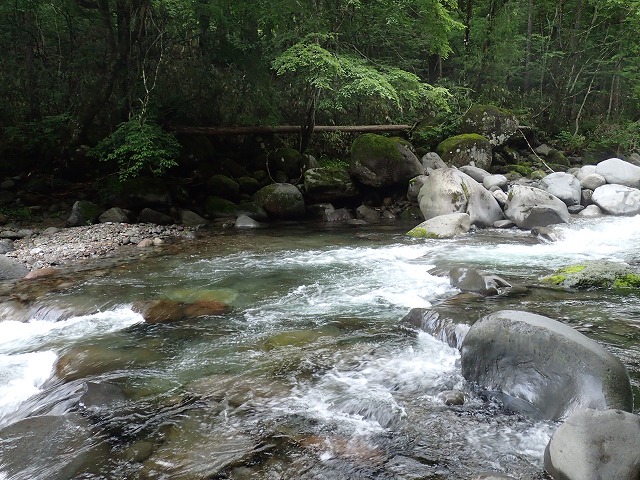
column 616, row 170
column 592, row 181
column 452, row 191
column 530, row 207
column 467, row 149
column 564, row 186
column 595, row 274
column 432, row 161
column 328, row 184
column 281, row 200
column 496, row 124
column 11, row 269
column 83, row 213
column 595, row 445
column 442, row 226
column 289, row 161
column 617, row 199
column 415, row 185
column 543, row 367
column 222, row 186
column 380, row 161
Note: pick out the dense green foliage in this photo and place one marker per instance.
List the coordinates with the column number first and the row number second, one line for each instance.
column 74, row 70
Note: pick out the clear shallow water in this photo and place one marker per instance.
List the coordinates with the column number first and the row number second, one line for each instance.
column 309, row 376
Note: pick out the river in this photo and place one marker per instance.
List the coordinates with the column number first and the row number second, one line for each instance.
column 312, row 374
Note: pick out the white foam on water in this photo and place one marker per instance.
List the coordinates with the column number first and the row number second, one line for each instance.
column 498, row 443
column 353, row 281
column 613, row 238
column 18, row 336
column 28, row 350
column 22, row 376
column 371, row 397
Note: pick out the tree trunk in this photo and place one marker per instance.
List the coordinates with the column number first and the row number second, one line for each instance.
column 289, row 129
column 527, row 58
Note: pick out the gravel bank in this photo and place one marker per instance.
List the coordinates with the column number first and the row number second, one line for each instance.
column 56, row 247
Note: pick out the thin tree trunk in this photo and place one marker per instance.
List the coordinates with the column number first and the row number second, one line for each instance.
column 527, row 58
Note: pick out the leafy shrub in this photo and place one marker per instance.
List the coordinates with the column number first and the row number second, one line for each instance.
column 138, row 146
column 569, row 142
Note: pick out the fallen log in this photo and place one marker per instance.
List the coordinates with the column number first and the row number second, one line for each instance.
column 284, row 129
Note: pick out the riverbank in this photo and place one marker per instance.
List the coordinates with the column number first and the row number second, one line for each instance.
column 55, row 247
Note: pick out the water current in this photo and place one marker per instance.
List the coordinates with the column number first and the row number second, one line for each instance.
column 312, row 373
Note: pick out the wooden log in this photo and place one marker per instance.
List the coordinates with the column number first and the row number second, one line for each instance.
column 284, row 129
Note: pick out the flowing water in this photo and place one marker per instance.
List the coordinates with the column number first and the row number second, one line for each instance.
column 312, row 373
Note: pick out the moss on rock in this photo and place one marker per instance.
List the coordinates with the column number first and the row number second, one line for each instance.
column 379, row 161
column 595, row 274
column 219, row 207
column 466, row 148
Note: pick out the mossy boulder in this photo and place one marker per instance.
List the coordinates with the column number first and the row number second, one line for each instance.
column 281, row 200
column 83, row 212
column 217, row 207
column 289, row 161
column 222, row 186
column 248, row 185
column 327, row 184
column 496, row 124
column 379, row 161
column 466, row 149
column 595, row 274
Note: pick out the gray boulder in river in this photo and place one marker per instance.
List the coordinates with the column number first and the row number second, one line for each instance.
column 617, row 199
column 595, row 445
column 564, row 186
column 616, row 170
column 543, row 367
column 530, row 207
column 448, row 190
column 281, row 200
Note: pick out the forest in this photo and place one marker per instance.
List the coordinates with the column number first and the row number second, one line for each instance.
column 115, row 78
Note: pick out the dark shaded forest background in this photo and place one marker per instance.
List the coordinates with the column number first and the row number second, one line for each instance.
column 117, row 75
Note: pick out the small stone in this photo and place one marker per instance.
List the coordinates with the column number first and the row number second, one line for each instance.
column 452, row 397
column 157, row 242
column 147, row 242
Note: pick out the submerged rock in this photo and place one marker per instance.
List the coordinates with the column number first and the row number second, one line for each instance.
column 547, row 368
column 51, row 447
column 595, row 445
column 219, row 445
column 476, row 281
column 168, row 311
